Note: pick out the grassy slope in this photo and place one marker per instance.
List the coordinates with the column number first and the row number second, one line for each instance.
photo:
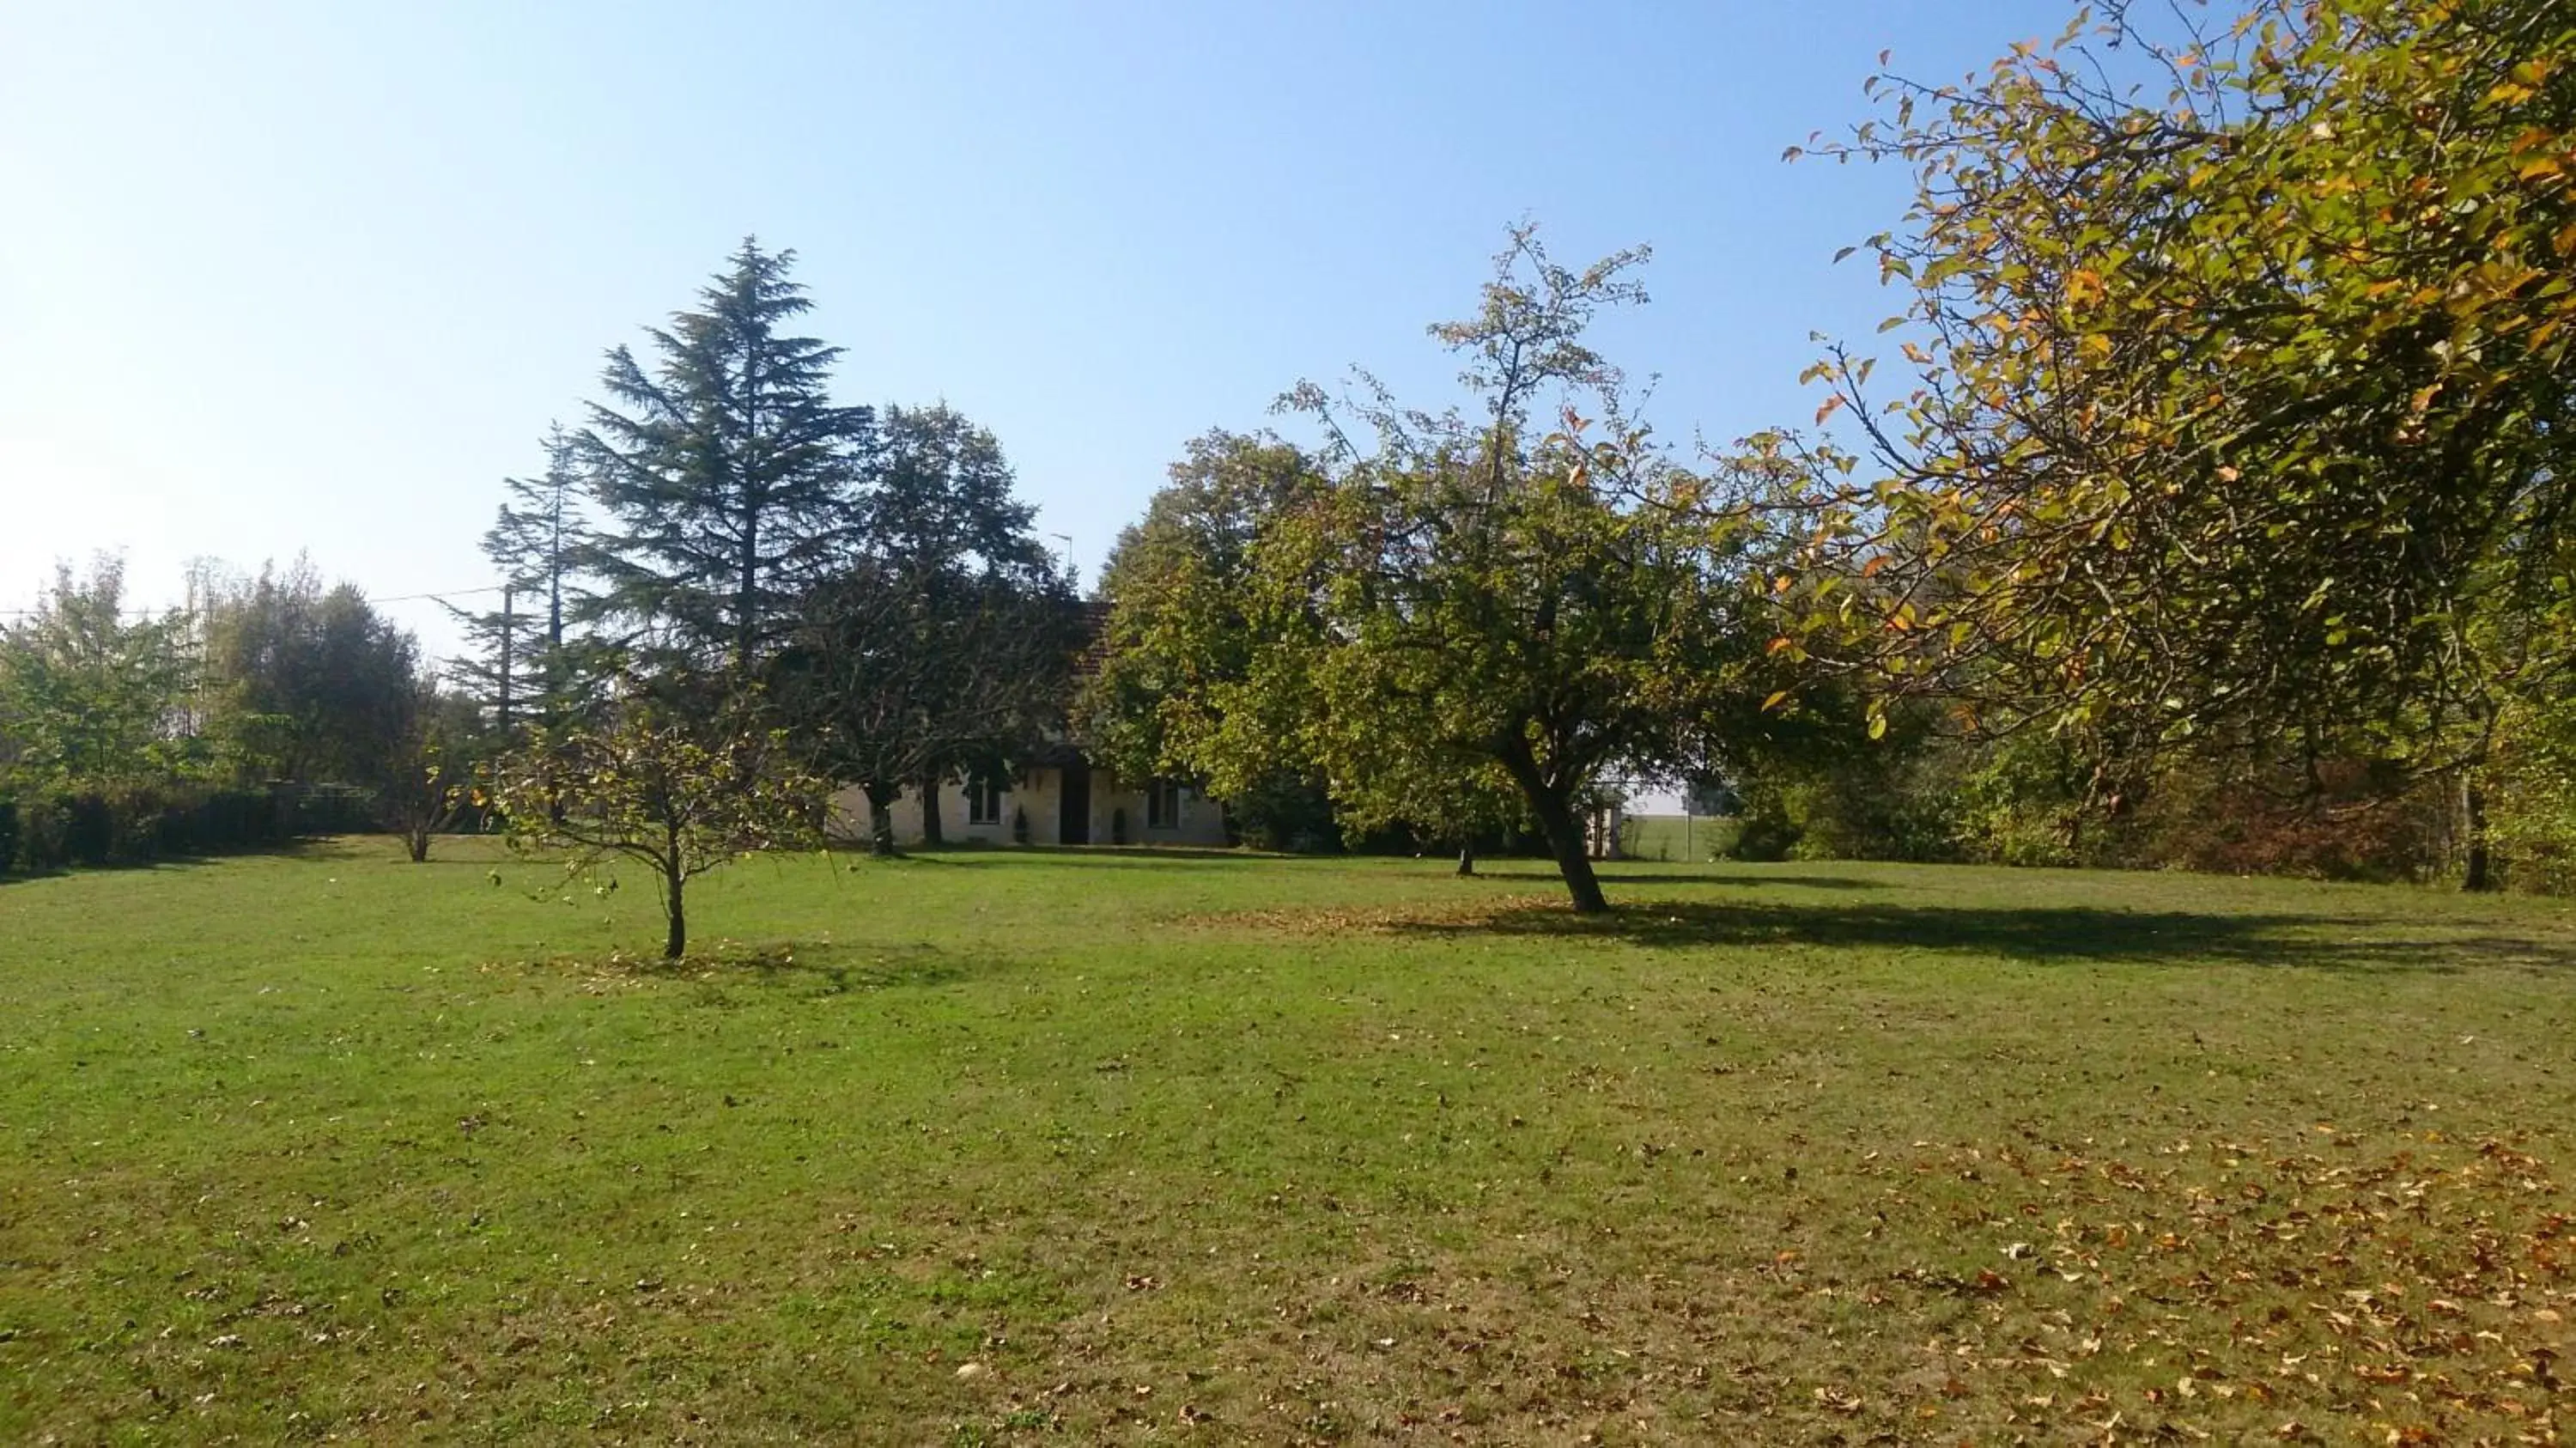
column 1221, row 1150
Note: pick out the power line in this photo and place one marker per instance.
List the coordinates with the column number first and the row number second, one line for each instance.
column 442, row 595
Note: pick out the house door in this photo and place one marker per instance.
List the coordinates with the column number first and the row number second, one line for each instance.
column 1073, row 827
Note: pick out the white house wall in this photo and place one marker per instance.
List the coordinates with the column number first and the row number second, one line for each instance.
column 849, row 817
column 1039, row 794
column 1037, row 791
column 1201, row 822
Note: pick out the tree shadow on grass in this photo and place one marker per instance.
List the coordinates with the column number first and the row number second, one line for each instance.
column 1550, row 876
column 839, row 968
column 1165, row 857
column 822, row 968
column 2047, row 934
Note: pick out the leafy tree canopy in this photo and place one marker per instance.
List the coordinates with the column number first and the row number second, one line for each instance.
column 1448, row 605
column 2244, row 395
column 89, row 698
column 306, row 681
column 1190, row 679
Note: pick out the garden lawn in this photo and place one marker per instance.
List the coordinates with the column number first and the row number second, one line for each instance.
column 993, row 1147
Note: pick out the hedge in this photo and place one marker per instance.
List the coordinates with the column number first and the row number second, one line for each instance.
column 61, row 829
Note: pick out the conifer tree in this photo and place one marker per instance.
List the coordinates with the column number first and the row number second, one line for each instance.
column 524, row 662
column 724, row 470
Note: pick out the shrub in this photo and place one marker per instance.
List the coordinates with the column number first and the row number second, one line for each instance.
column 2351, row 820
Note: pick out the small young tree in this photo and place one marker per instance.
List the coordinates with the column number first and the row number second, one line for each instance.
column 649, row 787
column 426, row 790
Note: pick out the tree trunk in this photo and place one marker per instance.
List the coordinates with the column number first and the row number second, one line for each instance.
column 676, row 905
column 416, row 842
column 880, row 820
column 551, row 711
column 2480, row 874
column 931, row 836
column 509, row 636
column 1565, row 841
column 1563, row 832
column 746, row 592
column 748, row 595
column 1467, row 858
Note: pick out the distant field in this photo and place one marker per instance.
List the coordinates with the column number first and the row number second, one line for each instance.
column 1677, row 839
column 1018, row 1147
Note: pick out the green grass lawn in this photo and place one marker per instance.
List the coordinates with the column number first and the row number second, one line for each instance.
column 994, row 1147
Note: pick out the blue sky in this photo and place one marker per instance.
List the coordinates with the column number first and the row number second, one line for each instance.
column 316, row 276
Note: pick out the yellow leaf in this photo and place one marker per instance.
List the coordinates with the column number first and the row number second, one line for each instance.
column 1826, row 411
column 1774, row 702
column 1778, row 644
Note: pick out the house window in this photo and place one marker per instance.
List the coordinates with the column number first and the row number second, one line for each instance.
column 984, row 801
column 1162, row 804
